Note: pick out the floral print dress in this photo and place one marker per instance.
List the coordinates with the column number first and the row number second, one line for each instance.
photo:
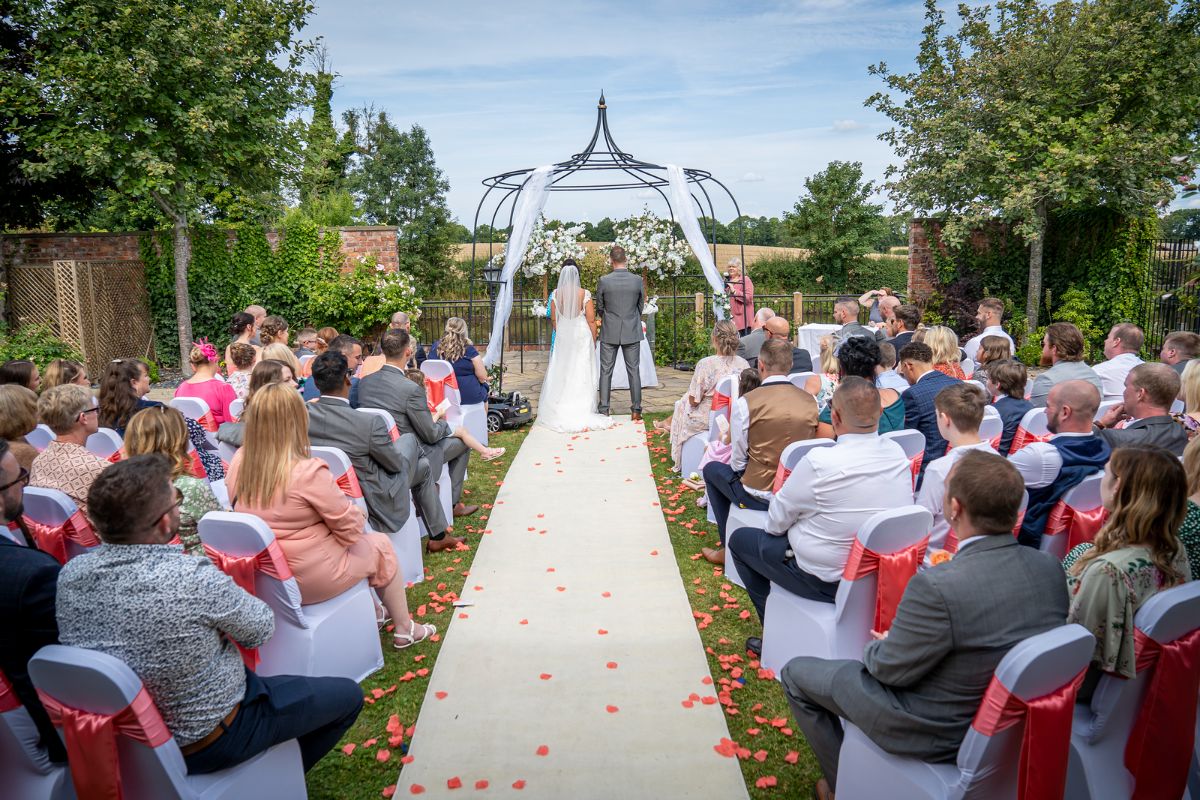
column 691, row 420
column 198, row 500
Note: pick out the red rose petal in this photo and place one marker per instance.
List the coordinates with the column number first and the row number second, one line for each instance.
column 543, row 750
column 454, row 783
column 602, row 632
column 440, row 695
column 545, row 676
column 481, row 785
column 792, row 757
column 611, row 709
column 518, row 785
column 348, row 749
column 416, row 788
column 611, row 665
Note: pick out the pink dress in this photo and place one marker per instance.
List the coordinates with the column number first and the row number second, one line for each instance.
column 321, row 533
column 216, row 392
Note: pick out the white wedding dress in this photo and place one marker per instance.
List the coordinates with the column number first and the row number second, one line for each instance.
column 568, row 400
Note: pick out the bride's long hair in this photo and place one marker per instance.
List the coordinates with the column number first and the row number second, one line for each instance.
column 566, row 296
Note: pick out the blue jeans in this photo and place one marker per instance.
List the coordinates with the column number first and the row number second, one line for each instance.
column 316, row 711
column 762, row 559
column 724, row 490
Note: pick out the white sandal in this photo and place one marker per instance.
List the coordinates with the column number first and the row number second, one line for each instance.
column 496, row 453
column 403, row 640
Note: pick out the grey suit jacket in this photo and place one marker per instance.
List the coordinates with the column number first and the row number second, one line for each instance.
column 389, row 389
column 1161, row 431
column 620, row 296
column 384, row 467
column 750, row 345
column 855, row 329
column 924, row 682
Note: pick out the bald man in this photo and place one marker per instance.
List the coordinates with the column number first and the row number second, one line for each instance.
column 778, row 328
column 1145, row 411
column 751, row 343
column 1051, row 468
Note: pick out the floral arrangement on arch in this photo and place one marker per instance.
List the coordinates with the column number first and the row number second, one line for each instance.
column 648, row 239
column 548, row 248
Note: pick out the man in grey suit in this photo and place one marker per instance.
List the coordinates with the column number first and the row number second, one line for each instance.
column 919, row 684
column 845, row 313
column 1150, row 389
column 750, row 344
column 620, row 296
column 387, row 471
column 391, row 390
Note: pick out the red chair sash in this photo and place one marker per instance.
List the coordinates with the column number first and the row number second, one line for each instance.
column 53, row 539
column 348, row 483
column 198, row 465
column 782, row 473
column 435, row 388
column 92, row 741
column 208, row 422
column 1046, row 741
column 1159, row 749
column 1080, row 526
column 269, row 561
column 915, row 465
column 893, row 572
column 1022, row 438
column 115, row 457
column 8, row 698
column 721, row 401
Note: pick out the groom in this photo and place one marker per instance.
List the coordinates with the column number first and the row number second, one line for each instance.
column 620, row 296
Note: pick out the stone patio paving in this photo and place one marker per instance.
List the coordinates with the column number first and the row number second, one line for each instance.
column 528, row 379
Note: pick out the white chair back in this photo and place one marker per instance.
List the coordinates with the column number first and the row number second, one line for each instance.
column 307, row 357
column 387, row 417
column 243, row 535
column 991, row 426
column 1084, row 496
column 40, row 436
column 910, row 441
column 979, row 385
column 104, row 442
column 798, row 379
column 51, row 507
column 24, row 763
column 339, row 465
column 1033, row 668
column 728, row 387
column 237, row 408
column 439, row 369
column 190, row 407
column 796, row 451
column 1034, row 421
column 1104, row 406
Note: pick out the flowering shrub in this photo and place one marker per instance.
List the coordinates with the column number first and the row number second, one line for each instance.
column 362, row 301
column 648, row 239
column 547, row 249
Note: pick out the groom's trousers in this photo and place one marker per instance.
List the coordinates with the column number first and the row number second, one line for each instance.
column 608, row 359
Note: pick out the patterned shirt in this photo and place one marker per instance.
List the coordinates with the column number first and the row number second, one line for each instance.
column 1189, row 537
column 170, row 617
column 67, row 467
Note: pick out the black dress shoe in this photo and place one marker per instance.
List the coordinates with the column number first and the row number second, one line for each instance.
column 754, row 645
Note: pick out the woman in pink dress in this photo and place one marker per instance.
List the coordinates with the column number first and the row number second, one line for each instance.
column 205, row 385
column 320, row 531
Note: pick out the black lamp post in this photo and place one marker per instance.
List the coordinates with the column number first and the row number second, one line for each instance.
column 492, row 273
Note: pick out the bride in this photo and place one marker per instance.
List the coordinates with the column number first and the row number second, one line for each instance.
column 568, row 400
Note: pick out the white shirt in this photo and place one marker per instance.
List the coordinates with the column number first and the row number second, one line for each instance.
column 1112, row 374
column 890, row 379
column 832, row 492
column 933, row 491
column 1040, row 462
column 739, row 437
column 972, row 345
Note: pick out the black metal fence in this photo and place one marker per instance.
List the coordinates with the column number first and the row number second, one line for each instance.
column 1174, row 291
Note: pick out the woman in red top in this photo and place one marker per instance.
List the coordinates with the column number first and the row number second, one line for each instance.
column 205, row 384
column 741, row 296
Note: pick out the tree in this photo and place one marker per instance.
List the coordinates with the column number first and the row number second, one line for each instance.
column 326, row 153
column 1029, row 108
column 1182, row 224
column 168, row 102
column 397, row 182
column 835, row 219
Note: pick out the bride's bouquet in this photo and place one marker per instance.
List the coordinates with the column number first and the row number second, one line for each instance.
column 648, row 239
column 547, row 249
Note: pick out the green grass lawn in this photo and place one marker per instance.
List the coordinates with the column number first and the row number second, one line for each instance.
column 774, row 757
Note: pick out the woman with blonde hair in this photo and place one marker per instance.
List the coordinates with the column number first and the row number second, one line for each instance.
column 821, row 386
column 944, row 344
column 18, row 416
column 690, row 417
column 265, row 373
column 62, row 371
column 281, row 352
column 204, row 383
column 164, row 430
column 275, row 477
column 456, row 347
column 1136, row 553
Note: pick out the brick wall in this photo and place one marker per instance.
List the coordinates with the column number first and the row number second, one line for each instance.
column 922, row 272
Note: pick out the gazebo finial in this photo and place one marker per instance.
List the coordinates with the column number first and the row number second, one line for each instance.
column 602, row 103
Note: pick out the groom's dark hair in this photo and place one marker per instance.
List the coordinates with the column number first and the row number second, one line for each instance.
column 617, row 254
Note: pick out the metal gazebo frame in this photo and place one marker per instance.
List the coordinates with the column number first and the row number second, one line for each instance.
column 601, row 157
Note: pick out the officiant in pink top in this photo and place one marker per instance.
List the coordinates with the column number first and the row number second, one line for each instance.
column 741, row 296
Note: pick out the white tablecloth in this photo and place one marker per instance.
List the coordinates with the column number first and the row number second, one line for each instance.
column 809, row 338
column 620, row 378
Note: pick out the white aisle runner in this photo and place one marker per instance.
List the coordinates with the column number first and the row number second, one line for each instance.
column 581, row 644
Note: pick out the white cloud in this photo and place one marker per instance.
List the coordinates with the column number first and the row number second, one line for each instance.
column 751, row 177
column 844, row 125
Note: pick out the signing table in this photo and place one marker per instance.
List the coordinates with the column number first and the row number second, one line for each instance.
column 808, row 337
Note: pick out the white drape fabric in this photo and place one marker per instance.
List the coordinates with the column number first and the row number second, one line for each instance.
column 531, row 201
column 685, row 215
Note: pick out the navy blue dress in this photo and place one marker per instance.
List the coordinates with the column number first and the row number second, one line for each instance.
column 469, row 387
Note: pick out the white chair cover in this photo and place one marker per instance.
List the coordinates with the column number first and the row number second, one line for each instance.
column 40, row 436
column 104, row 442
column 51, row 507
column 1084, row 496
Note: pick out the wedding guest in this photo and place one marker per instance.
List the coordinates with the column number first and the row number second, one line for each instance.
column 242, row 359
column 259, row 314
column 1189, row 392
column 761, row 424
column 22, row 373
column 122, row 393
column 741, row 295
column 324, row 337
column 456, row 347
column 27, row 622
column 1150, row 389
column 352, row 349
column 916, row 365
column 319, row 530
column 690, row 417
column 991, row 350
column 959, row 412
column 204, row 383
column 488, row 453
column 918, row 686
column 1134, row 556
column 18, row 417
column 906, row 320
column 881, row 303
column 306, row 341
column 845, row 313
column 778, row 328
column 1062, row 351
column 720, row 449
column 859, row 357
column 819, row 509
column 163, row 430
column 392, row 391
column 387, row 471
column 402, row 322
column 989, row 315
column 752, row 342
column 63, row 370
column 277, row 351
column 1006, row 383
column 827, row 380
column 886, row 376
column 1052, row 468
column 943, row 342
column 243, row 331
column 1179, row 348
column 66, row 465
column 176, row 620
column 264, row 373
column 1121, row 348
column 1189, row 529
column 273, row 330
